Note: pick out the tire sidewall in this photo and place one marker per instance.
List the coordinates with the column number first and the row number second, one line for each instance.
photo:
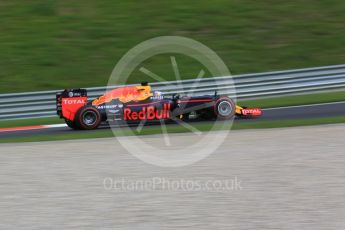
column 218, row 115
column 79, row 117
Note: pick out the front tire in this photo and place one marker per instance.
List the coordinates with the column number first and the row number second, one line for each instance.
column 88, row 117
column 225, row 108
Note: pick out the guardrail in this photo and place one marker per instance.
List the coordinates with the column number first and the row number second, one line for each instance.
column 247, row 86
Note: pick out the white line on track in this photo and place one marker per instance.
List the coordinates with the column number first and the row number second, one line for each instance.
column 310, row 105
column 55, row 126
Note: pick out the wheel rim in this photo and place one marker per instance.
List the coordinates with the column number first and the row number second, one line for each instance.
column 224, row 108
column 90, row 118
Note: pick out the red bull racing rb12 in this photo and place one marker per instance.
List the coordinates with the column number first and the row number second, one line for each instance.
column 136, row 104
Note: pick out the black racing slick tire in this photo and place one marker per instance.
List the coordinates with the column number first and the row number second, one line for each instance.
column 225, row 108
column 71, row 124
column 88, row 117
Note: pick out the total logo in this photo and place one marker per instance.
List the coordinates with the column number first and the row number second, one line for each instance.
column 253, row 112
column 69, row 101
column 147, row 113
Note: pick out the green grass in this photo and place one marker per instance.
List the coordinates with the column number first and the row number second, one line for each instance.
column 175, row 129
column 288, row 123
column 51, row 44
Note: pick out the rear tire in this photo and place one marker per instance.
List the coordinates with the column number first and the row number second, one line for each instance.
column 88, row 117
column 225, row 108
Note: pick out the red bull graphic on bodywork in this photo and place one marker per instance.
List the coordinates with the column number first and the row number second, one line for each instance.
column 147, row 113
column 125, row 95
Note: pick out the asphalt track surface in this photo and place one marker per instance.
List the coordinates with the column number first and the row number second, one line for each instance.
column 287, row 178
column 334, row 109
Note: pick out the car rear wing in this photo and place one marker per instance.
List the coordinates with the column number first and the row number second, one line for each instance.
column 68, row 93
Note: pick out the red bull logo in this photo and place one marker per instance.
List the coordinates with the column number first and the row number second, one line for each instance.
column 125, row 95
column 147, row 113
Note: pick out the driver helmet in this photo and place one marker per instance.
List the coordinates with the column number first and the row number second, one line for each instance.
column 157, row 93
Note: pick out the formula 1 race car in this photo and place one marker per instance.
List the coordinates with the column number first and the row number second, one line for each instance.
column 135, row 104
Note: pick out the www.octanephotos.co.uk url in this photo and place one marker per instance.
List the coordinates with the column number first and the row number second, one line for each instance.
column 165, row 184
